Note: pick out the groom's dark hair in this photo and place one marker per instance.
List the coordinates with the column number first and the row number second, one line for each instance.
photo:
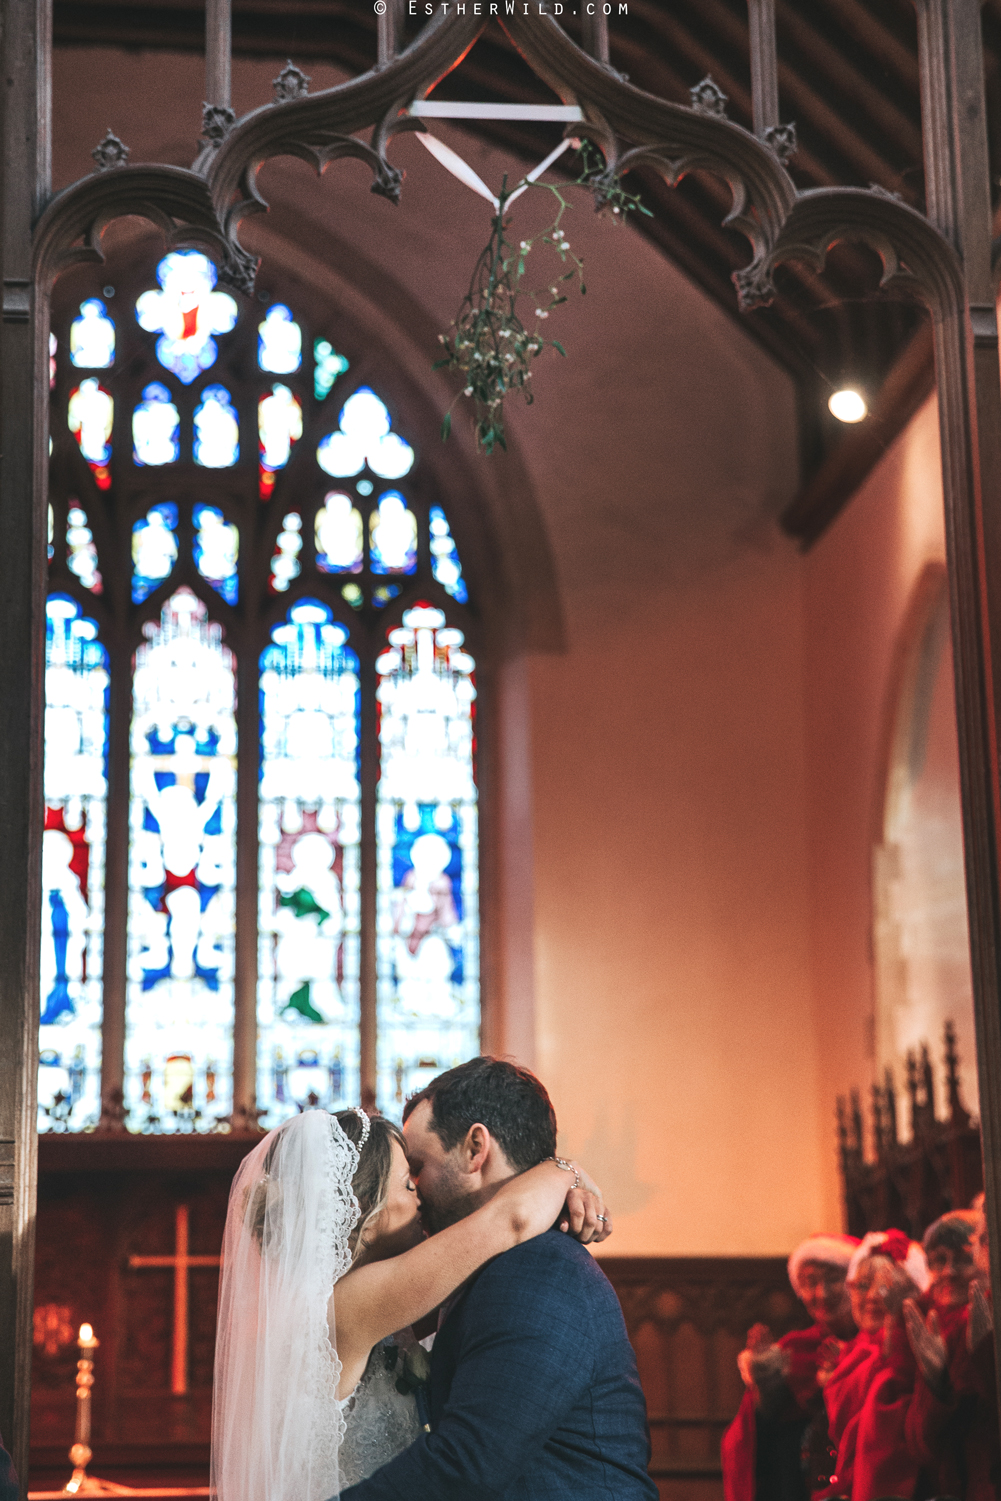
column 509, row 1100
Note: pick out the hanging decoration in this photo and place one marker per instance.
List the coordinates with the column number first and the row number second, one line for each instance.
column 491, row 348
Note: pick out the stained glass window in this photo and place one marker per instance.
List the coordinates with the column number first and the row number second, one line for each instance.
column 393, row 535
column 182, row 873
column 445, row 563
column 339, row 538
column 279, row 421
column 426, row 856
column 217, row 545
column 364, row 437
column 91, row 417
column 156, row 427
column 186, row 314
column 285, row 565
column 73, row 844
column 154, row 549
column 92, row 337
column 329, row 593
column 327, row 366
column 217, row 430
column 81, row 553
column 279, row 341
column 308, row 963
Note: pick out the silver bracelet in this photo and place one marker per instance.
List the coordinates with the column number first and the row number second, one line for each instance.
column 568, row 1167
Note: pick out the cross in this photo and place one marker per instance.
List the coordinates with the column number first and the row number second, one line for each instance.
column 180, row 1261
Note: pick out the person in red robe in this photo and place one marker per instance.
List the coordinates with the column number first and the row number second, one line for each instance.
column 952, row 1425
column 762, row 1448
column 868, row 1381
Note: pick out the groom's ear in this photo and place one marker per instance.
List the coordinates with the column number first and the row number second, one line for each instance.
column 476, row 1148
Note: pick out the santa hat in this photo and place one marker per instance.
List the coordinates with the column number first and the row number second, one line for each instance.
column 894, row 1244
column 830, row 1250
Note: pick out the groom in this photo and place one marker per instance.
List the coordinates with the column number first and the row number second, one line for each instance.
column 533, row 1390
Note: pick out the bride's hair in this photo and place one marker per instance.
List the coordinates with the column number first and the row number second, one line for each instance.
column 370, row 1183
column 375, row 1165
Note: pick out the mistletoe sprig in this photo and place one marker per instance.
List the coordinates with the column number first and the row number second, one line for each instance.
column 490, row 347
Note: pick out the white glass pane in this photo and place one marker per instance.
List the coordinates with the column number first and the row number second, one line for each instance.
column 393, row 535
column 339, row 547
column 307, row 998
column 279, row 422
column 81, row 552
column 186, row 313
column 182, row 874
column 364, row 436
column 72, row 947
column 154, row 549
column 279, row 341
column 285, row 564
column 427, row 858
column 217, row 546
column 217, row 430
column 156, row 427
column 92, row 337
column 90, row 415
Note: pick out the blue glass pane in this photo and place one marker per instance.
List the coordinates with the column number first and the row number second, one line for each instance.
column 279, row 341
column 154, row 549
column 445, row 563
column 217, row 546
column 328, row 365
column 186, row 313
column 156, row 427
column 182, row 874
column 393, row 536
column 426, row 857
column 217, row 430
column 364, row 437
column 92, row 337
column 309, row 917
column 73, row 845
column 383, row 594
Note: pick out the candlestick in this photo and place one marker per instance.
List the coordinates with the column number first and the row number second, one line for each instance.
column 80, row 1483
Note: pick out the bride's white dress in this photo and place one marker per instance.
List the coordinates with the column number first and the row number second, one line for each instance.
column 380, row 1422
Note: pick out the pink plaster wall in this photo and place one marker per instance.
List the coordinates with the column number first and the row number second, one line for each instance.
column 858, row 583
column 672, row 993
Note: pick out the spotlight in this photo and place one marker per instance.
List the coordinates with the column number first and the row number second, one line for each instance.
column 847, row 405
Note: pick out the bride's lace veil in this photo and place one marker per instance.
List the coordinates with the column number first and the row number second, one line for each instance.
column 276, row 1424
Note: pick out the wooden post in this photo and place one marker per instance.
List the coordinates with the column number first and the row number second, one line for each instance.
column 23, row 421
column 969, row 390
column 368, row 958
column 218, row 51
column 244, row 1114
column 116, row 892
column 764, row 65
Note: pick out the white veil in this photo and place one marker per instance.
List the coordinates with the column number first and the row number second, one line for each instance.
column 276, row 1424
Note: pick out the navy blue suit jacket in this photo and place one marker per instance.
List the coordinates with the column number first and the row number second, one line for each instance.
column 533, row 1391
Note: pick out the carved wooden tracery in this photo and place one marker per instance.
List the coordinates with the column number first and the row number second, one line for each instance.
column 943, row 259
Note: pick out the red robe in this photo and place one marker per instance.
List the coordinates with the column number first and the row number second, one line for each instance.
column 956, row 1439
column 739, row 1447
column 868, row 1398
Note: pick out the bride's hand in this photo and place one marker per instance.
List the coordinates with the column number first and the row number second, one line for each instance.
column 584, row 1214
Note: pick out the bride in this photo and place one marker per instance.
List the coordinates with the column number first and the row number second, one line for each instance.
column 324, row 1269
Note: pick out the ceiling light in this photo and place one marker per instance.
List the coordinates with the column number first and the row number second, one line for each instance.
column 847, row 405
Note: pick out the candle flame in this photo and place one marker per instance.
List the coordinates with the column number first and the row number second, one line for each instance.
column 86, row 1331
